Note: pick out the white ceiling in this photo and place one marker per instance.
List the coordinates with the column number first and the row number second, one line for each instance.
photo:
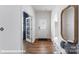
column 43, row 7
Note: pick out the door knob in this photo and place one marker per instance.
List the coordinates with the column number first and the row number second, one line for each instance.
column 1, row 29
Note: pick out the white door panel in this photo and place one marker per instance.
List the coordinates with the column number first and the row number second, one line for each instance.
column 29, row 29
column 10, row 21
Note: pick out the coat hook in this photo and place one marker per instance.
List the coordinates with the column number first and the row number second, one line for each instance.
column 1, row 29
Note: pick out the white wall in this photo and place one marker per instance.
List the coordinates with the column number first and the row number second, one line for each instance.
column 45, row 28
column 10, row 38
column 58, row 12
column 56, row 23
column 28, row 9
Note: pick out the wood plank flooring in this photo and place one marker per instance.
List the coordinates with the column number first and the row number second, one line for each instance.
column 40, row 46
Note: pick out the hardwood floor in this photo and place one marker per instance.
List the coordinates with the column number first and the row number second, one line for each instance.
column 40, row 46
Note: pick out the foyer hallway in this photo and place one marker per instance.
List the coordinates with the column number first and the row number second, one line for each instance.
column 40, row 46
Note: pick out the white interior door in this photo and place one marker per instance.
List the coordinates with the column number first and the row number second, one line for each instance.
column 43, row 24
column 43, row 32
column 29, row 29
column 10, row 37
